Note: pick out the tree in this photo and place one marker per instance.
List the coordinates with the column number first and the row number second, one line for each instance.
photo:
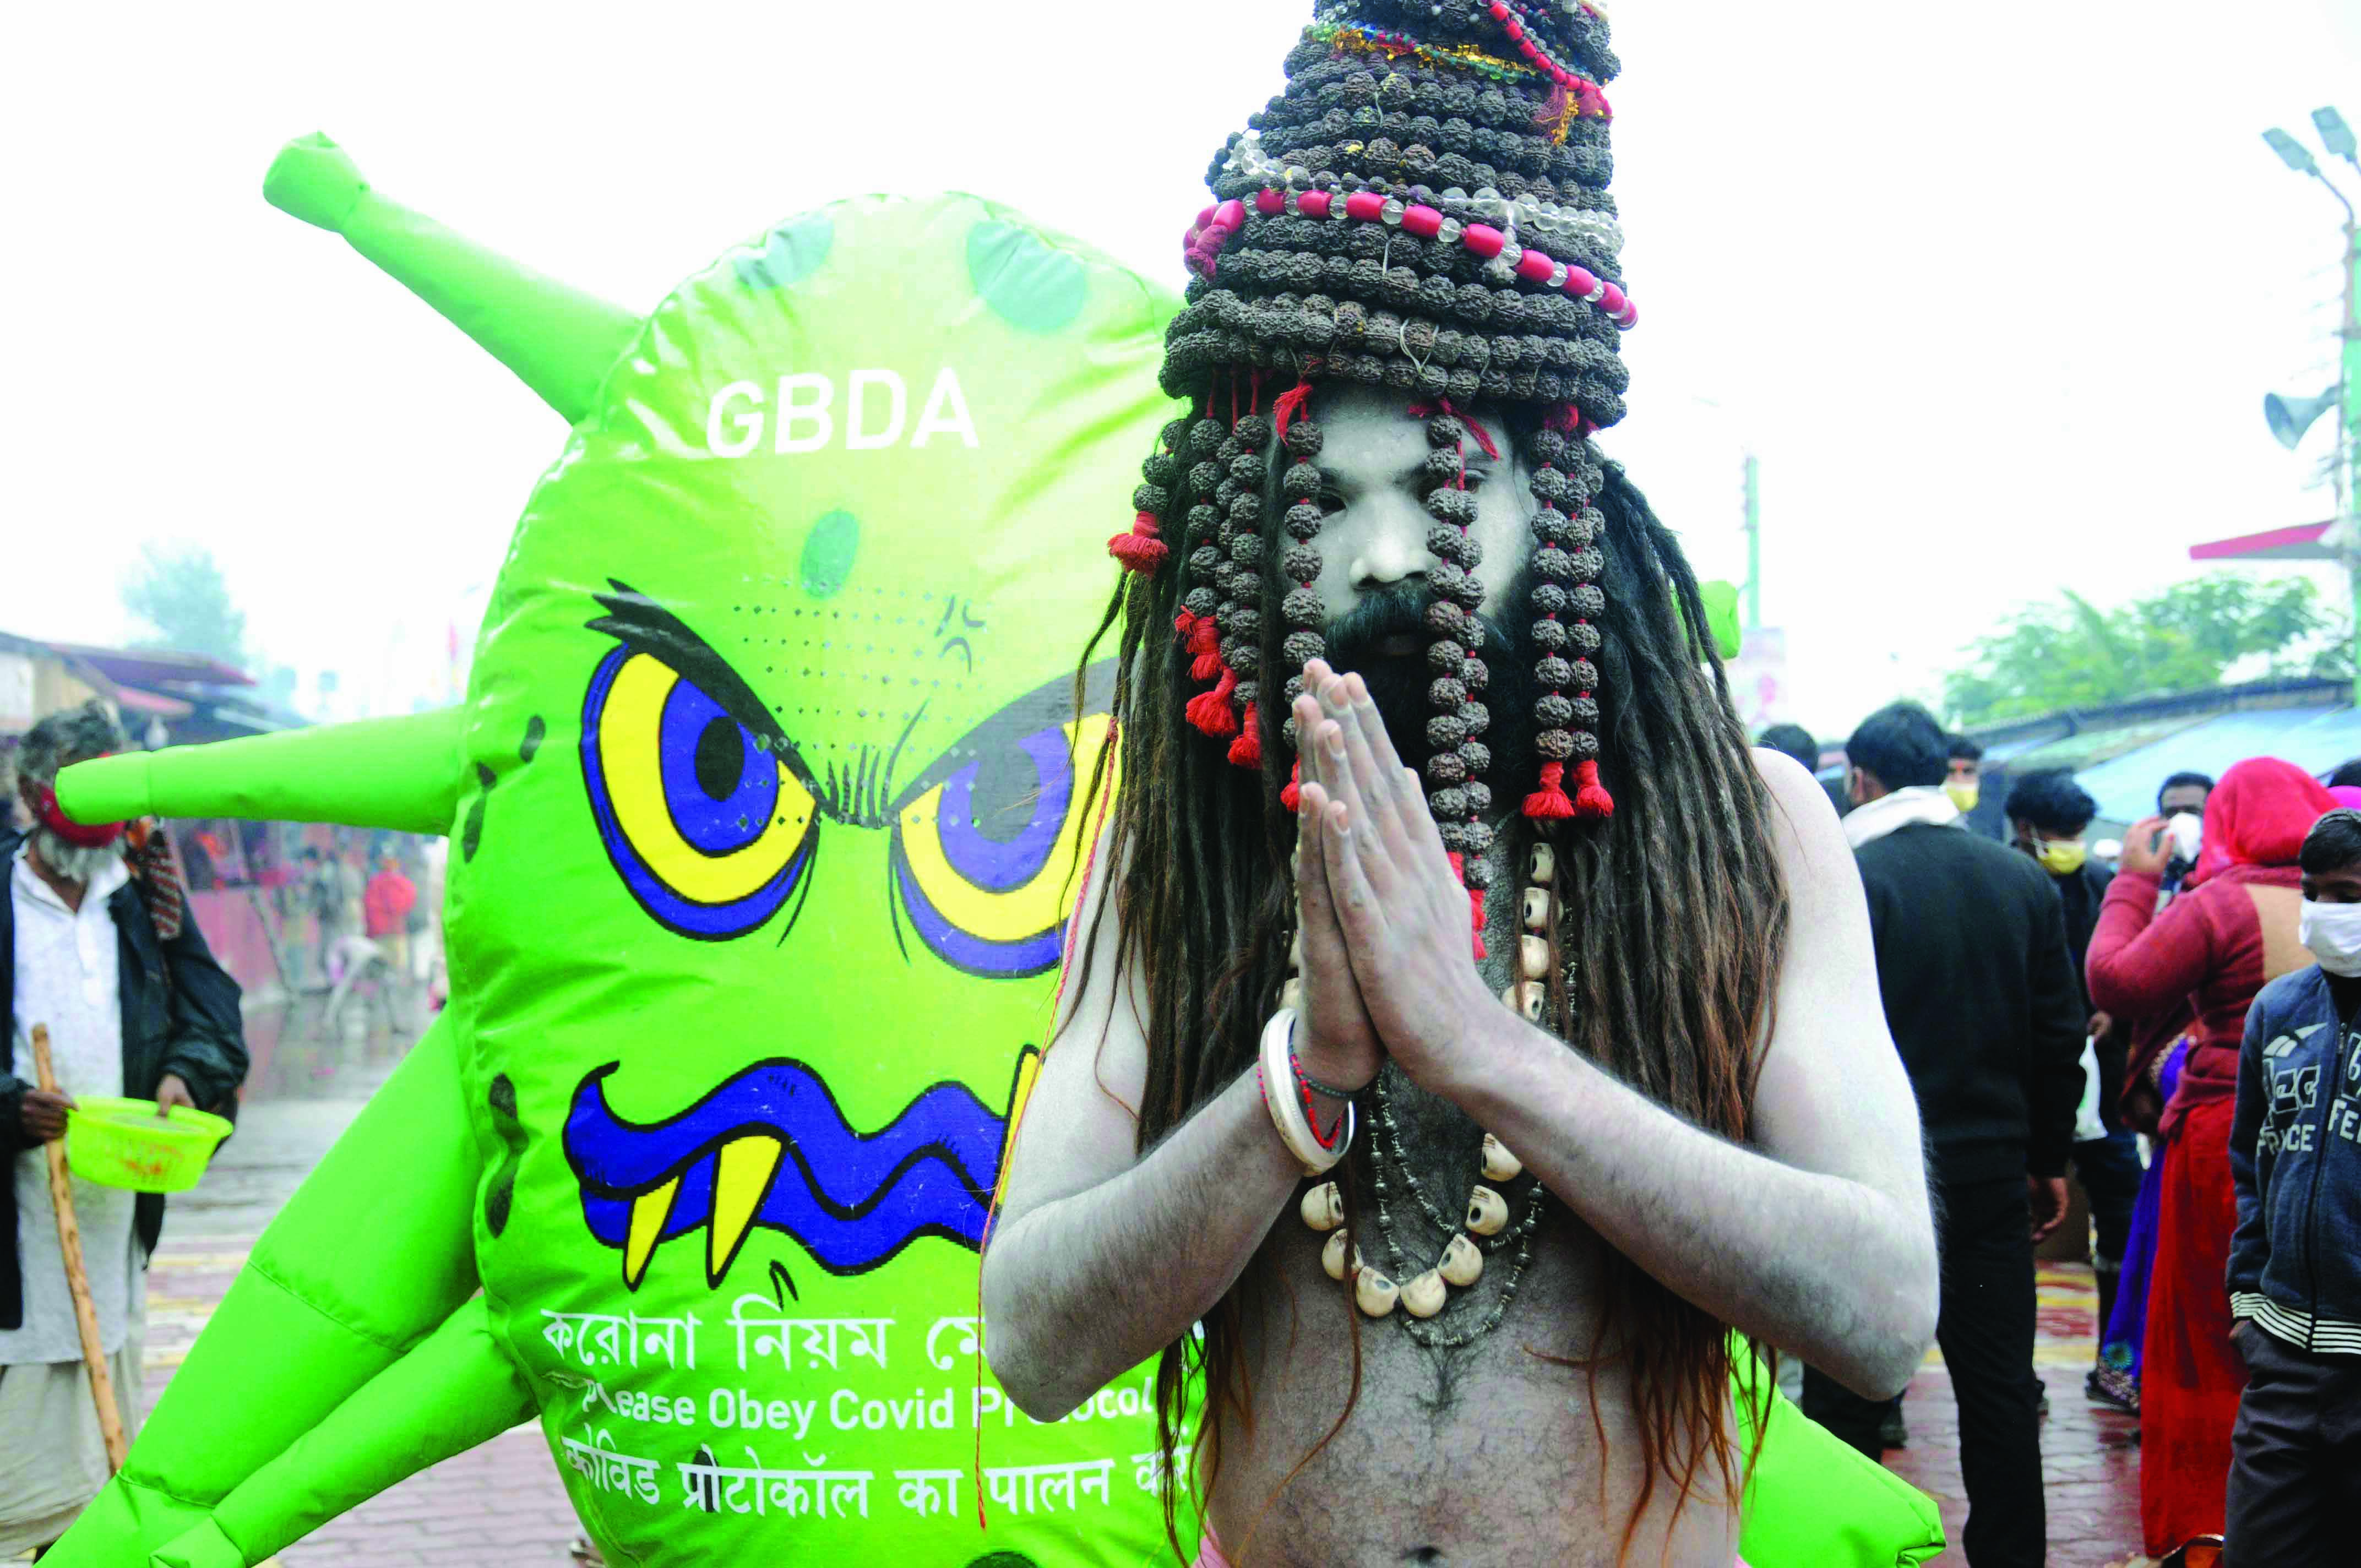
column 2066, row 652
column 180, row 591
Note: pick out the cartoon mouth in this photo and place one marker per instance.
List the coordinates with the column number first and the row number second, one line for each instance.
column 769, row 1147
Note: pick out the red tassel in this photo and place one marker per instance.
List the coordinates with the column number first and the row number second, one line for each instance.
column 1591, row 799
column 1205, row 642
column 1483, row 438
column 1548, row 801
column 1292, row 796
column 1566, row 418
column 1245, row 752
column 1140, row 549
column 1475, row 900
column 1285, row 409
column 1185, row 626
column 1210, row 710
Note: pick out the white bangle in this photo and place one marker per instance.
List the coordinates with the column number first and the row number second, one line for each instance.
column 1278, row 1096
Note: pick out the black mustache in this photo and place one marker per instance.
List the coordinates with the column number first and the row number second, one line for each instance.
column 1400, row 610
column 1397, row 611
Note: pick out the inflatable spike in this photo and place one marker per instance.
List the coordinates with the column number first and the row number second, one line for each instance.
column 456, row 1389
column 401, row 773
column 1721, row 625
column 389, row 1205
column 558, row 340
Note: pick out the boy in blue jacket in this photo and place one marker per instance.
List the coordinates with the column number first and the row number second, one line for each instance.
column 2295, row 1259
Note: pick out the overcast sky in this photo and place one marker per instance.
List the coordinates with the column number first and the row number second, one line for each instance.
column 1994, row 292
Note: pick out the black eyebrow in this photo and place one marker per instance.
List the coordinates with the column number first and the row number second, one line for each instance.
column 1416, row 474
column 646, row 626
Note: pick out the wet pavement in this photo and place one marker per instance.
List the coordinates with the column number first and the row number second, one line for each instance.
column 501, row 1504
column 2090, row 1453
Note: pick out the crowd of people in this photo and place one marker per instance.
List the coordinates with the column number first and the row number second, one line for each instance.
column 2178, row 1031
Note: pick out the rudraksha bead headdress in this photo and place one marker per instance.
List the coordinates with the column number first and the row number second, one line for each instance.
column 1423, row 208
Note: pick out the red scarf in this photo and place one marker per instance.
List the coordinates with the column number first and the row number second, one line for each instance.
column 2257, row 815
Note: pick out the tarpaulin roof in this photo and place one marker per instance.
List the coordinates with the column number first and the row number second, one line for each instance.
column 2315, row 739
column 157, row 667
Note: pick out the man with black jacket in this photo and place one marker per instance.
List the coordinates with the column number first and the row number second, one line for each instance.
column 1983, row 1005
column 2048, row 814
column 134, row 1005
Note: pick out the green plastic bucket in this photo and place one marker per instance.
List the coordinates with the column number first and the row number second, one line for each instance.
column 121, row 1142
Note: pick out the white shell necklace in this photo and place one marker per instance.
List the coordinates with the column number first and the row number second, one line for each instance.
column 1485, row 1226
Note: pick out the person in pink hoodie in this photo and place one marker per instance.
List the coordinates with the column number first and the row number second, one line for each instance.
column 2232, row 930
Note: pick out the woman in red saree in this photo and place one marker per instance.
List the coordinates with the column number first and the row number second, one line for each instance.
column 2232, row 930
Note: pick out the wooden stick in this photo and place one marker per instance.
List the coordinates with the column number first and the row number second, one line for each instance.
column 93, row 1359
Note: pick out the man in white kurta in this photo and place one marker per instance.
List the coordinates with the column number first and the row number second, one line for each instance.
column 68, row 977
column 104, row 957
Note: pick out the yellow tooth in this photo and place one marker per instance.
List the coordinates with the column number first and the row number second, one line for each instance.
column 648, row 1212
column 742, row 1178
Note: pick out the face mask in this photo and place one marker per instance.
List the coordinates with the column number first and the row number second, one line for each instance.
column 1964, row 793
column 82, row 836
column 2061, row 857
column 2188, row 832
column 2332, row 932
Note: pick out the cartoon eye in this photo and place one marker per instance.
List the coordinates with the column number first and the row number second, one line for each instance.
column 708, row 826
column 986, row 859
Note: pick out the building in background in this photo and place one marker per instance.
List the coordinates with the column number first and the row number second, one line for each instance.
column 261, row 900
column 2121, row 754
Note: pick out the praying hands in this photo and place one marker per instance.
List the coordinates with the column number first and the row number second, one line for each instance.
column 1387, row 959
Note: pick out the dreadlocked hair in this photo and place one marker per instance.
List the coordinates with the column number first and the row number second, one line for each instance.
column 1457, row 125
column 1671, row 913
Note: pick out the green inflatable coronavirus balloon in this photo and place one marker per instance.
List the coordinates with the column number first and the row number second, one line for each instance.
column 764, row 813
column 768, row 803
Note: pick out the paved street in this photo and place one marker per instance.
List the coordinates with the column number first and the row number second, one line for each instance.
column 501, row 1504
column 2090, row 1453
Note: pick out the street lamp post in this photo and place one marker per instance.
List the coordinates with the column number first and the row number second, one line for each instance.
column 2337, row 138
column 1754, row 504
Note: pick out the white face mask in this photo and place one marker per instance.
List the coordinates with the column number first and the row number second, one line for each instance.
column 2333, row 933
column 2188, row 832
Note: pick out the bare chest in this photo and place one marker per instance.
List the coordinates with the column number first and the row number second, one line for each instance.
column 1506, row 1453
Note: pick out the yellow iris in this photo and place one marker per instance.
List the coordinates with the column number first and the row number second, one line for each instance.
column 631, row 723
column 1021, row 912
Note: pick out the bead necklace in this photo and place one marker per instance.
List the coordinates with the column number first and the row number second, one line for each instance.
column 1522, row 1233
column 1498, row 1165
column 1485, row 1227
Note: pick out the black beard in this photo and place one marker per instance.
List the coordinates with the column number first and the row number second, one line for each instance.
column 1397, row 682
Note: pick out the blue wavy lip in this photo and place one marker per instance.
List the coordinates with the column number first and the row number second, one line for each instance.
column 769, row 1147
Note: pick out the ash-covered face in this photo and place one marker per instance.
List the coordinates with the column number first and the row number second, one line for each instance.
column 1375, row 564
column 1374, row 457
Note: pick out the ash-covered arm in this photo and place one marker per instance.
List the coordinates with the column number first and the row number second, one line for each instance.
column 1818, row 1237
column 1102, row 1256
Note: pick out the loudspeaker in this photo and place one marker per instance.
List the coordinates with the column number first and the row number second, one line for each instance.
column 2290, row 417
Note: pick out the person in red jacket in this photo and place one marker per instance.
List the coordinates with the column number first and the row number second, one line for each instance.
column 2232, row 930
column 385, row 905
